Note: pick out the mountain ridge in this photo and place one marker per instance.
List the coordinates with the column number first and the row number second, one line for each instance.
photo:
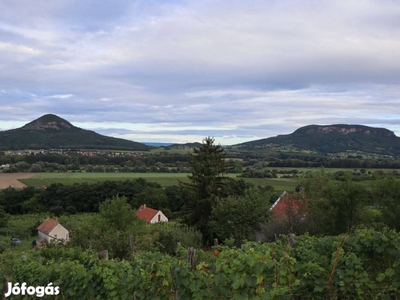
column 53, row 132
column 334, row 139
column 345, row 129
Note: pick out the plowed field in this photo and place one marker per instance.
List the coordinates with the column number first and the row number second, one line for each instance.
column 11, row 179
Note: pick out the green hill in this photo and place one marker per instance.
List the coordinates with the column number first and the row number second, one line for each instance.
column 186, row 145
column 332, row 139
column 53, row 132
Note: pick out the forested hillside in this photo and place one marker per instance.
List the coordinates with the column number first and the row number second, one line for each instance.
column 53, row 132
column 332, row 139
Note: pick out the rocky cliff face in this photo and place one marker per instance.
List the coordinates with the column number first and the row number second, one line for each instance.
column 334, row 138
column 345, row 129
column 48, row 122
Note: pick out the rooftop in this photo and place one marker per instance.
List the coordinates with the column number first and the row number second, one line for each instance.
column 48, row 225
column 146, row 213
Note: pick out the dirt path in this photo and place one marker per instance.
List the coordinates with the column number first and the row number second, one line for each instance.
column 11, row 179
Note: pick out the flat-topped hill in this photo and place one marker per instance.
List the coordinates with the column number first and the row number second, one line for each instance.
column 334, row 139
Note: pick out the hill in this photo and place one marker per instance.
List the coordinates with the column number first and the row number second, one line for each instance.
column 186, row 145
column 53, row 132
column 332, row 139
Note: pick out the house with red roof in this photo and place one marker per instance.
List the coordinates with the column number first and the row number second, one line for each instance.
column 288, row 205
column 150, row 215
column 288, row 216
column 52, row 230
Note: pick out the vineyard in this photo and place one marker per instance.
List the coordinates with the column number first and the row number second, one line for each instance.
column 364, row 265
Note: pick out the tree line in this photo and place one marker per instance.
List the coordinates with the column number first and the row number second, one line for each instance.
column 224, row 208
column 165, row 161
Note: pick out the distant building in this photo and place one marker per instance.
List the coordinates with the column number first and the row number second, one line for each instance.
column 150, row 215
column 51, row 230
column 288, row 205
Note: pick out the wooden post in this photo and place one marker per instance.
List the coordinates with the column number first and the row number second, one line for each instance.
column 191, row 252
column 132, row 244
column 292, row 242
column 178, row 246
column 103, row 254
column 215, row 242
column 5, row 288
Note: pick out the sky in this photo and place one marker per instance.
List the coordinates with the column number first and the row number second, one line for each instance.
column 178, row 71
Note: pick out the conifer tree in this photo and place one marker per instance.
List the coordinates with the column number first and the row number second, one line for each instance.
column 208, row 182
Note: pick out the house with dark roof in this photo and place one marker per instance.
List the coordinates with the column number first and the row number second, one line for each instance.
column 52, row 230
column 150, row 215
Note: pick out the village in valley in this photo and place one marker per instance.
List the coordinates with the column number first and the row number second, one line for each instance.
column 196, row 223
column 190, row 150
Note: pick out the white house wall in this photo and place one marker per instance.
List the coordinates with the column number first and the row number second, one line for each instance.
column 43, row 236
column 163, row 218
column 60, row 233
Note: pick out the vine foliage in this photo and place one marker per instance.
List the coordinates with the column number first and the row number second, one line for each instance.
column 364, row 265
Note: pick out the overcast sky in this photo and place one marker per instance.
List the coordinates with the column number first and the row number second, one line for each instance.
column 178, row 71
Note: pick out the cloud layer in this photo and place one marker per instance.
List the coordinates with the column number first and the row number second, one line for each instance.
column 181, row 70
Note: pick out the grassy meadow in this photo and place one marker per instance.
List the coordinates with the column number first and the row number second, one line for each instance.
column 45, row 179
column 165, row 179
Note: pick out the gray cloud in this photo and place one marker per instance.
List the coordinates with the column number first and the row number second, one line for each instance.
column 250, row 69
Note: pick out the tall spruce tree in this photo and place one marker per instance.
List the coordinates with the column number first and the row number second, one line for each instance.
column 207, row 182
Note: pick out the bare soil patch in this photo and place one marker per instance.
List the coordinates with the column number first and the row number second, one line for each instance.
column 11, row 179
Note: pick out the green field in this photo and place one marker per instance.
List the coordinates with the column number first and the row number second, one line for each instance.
column 165, row 179
column 45, row 179
column 168, row 179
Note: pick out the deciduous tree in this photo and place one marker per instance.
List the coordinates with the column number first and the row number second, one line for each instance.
column 3, row 217
column 239, row 217
column 118, row 213
column 339, row 207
